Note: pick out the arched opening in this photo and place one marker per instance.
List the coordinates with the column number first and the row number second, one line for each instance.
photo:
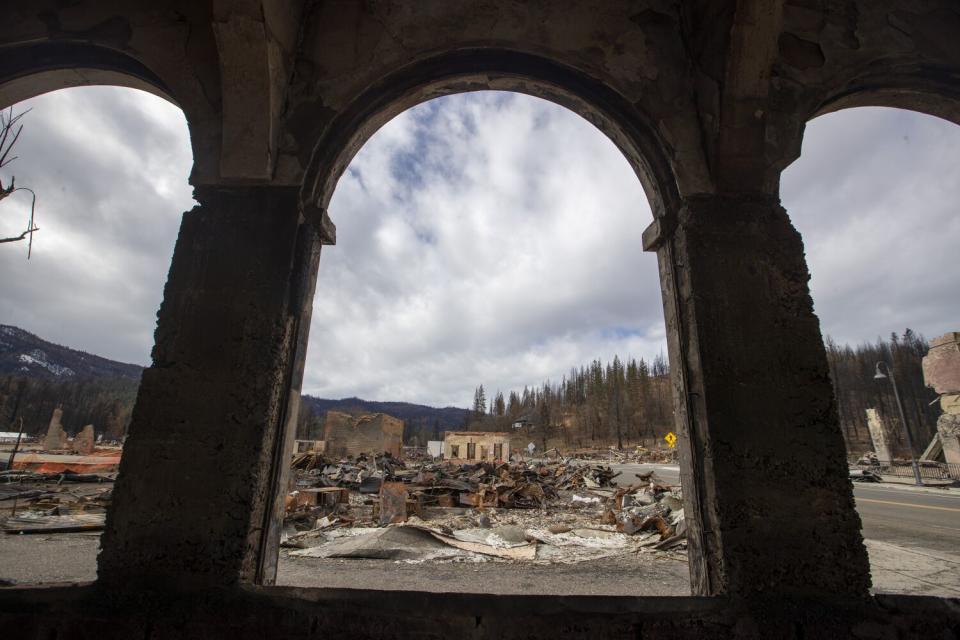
column 475, row 70
column 873, row 195
column 486, row 239
column 109, row 166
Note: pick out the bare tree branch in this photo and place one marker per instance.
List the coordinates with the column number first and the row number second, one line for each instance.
column 8, row 122
column 22, row 236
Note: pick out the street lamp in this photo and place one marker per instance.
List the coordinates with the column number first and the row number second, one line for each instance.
column 880, row 375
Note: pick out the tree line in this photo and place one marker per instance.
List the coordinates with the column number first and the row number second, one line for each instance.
column 617, row 403
column 625, row 403
column 852, row 370
column 106, row 403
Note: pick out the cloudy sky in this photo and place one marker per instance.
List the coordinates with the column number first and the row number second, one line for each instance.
column 484, row 238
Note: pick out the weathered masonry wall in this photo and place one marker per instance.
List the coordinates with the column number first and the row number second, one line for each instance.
column 321, row 614
column 733, row 270
column 476, row 446
column 195, row 484
column 941, row 370
column 347, row 435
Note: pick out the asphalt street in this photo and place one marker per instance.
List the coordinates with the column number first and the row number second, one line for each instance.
column 921, row 519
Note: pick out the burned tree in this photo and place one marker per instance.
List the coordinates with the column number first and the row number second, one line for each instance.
column 10, row 129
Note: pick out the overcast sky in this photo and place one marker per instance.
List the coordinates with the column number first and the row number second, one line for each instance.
column 483, row 238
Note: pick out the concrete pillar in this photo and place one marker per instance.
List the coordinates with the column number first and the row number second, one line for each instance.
column 768, row 502
column 879, row 435
column 56, row 437
column 84, row 442
column 195, row 502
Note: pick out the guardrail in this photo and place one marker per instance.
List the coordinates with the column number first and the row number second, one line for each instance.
column 903, row 469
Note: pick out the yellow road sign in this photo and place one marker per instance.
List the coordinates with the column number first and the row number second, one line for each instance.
column 671, row 439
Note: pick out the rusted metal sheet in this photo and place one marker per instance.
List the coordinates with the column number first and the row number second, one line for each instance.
column 479, row 499
column 446, row 500
column 393, row 503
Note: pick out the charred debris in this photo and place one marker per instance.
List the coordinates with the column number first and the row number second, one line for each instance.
column 543, row 511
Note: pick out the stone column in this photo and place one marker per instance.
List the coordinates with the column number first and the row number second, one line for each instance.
column 941, row 370
column 195, row 501
column 768, row 503
column 56, row 437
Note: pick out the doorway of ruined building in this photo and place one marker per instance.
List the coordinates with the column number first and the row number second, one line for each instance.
column 475, row 233
column 874, row 195
column 109, row 168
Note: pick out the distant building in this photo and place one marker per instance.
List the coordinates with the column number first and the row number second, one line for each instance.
column 348, row 435
column 476, row 446
column 435, row 448
column 522, row 422
column 309, row 446
column 10, row 437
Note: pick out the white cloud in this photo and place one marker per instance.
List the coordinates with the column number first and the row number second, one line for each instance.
column 875, row 195
column 110, row 169
column 482, row 238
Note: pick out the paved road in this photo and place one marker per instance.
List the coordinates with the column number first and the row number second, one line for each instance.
column 901, row 516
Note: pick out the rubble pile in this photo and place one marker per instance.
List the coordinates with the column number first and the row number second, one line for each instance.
column 545, row 511
column 516, row 485
column 53, row 502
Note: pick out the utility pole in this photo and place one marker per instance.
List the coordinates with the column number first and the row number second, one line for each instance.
column 880, row 375
column 16, row 408
column 16, row 445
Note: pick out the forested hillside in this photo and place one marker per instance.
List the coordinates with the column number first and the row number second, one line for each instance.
column 852, row 370
column 604, row 404
column 25, row 354
column 36, row 376
column 105, row 403
column 428, row 423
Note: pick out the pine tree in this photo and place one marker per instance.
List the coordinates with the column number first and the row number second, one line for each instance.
column 479, row 402
column 500, row 405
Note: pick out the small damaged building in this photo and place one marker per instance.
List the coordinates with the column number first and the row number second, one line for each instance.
column 349, row 435
column 470, row 446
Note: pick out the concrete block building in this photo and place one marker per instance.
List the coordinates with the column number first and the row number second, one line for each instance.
column 476, row 446
column 349, row 435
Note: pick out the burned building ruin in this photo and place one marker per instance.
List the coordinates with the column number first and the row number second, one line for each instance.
column 706, row 100
column 348, row 435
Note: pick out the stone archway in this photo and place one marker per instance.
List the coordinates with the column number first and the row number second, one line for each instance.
column 459, row 72
column 30, row 70
column 627, row 126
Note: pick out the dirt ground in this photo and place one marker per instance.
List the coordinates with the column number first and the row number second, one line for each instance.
column 71, row 557
column 637, row 575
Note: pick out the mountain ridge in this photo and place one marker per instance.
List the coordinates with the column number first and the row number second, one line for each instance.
column 25, row 354
column 448, row 418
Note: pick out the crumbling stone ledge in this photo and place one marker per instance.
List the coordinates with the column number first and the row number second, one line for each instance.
column 84, row 611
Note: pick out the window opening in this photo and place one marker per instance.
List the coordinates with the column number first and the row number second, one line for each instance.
column 873, row 195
